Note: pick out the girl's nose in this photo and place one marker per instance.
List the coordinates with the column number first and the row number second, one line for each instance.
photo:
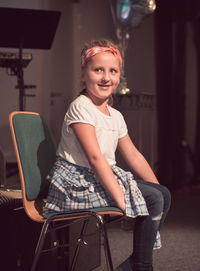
column 105, row 78
column 104, row 81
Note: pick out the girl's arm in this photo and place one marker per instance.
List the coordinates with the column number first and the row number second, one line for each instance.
column 135, row 160
column 87, row 137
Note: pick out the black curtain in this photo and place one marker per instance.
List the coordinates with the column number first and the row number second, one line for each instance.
column 170, row 39
column 196, row 158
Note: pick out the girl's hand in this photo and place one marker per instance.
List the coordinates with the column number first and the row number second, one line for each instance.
column 121, row 201
column 122, row 205
column 135, row 160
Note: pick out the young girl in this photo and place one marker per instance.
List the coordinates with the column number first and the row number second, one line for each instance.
column 85, row 174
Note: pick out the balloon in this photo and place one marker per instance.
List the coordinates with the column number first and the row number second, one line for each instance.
column 124, row 11
column 140, row 9
column 131, row 13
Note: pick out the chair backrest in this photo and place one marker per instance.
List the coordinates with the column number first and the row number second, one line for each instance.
column 35, row 151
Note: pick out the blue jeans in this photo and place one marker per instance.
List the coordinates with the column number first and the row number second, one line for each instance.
column 158, row 200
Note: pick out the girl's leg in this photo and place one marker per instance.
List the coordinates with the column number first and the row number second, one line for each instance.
column 166, row 196
column 158, row 199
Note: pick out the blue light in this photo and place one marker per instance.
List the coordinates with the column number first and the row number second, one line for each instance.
column 124, row 9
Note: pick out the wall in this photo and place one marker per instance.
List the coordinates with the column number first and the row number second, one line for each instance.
column 9, row 94
column 56, row 72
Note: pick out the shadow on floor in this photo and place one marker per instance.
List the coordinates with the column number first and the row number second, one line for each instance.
column 180, row 236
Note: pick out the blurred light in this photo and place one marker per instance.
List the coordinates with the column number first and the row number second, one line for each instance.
column 152, row 5
column 123, row 9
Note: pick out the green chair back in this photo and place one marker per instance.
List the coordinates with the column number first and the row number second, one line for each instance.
column 37, row 151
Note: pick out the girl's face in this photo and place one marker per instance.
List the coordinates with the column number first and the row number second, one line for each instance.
column 101, row 75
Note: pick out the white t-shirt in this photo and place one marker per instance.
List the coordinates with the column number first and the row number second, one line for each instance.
column 108, row 130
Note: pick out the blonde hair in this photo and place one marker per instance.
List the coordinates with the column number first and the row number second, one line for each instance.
column 100, row 43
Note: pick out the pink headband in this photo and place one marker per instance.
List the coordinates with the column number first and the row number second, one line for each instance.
column 98, row 49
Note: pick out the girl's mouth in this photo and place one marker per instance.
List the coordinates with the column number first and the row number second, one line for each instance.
column 104, row 86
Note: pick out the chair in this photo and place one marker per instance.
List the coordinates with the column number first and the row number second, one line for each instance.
column 35, row 151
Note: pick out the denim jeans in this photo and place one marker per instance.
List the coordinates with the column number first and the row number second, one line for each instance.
column 158, row 200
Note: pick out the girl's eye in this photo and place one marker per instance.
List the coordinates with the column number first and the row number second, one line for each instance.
column 98, row 69
column 113, row 71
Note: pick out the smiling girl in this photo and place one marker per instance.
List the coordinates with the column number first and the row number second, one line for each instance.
column 85, row 174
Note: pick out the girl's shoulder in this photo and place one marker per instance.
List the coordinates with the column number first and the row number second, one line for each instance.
column 114, row 111
column 81, row 103
column 81, row 99
column 80, row 110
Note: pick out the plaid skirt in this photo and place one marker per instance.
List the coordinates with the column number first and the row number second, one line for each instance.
column 73, row 187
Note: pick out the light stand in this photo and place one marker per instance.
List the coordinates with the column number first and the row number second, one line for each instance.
column 30, row 29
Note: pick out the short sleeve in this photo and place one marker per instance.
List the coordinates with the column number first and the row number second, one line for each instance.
column 122, row 126
column 79, row 112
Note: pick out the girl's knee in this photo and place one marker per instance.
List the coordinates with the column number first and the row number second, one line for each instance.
column 166, row 195
column 156, row 205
